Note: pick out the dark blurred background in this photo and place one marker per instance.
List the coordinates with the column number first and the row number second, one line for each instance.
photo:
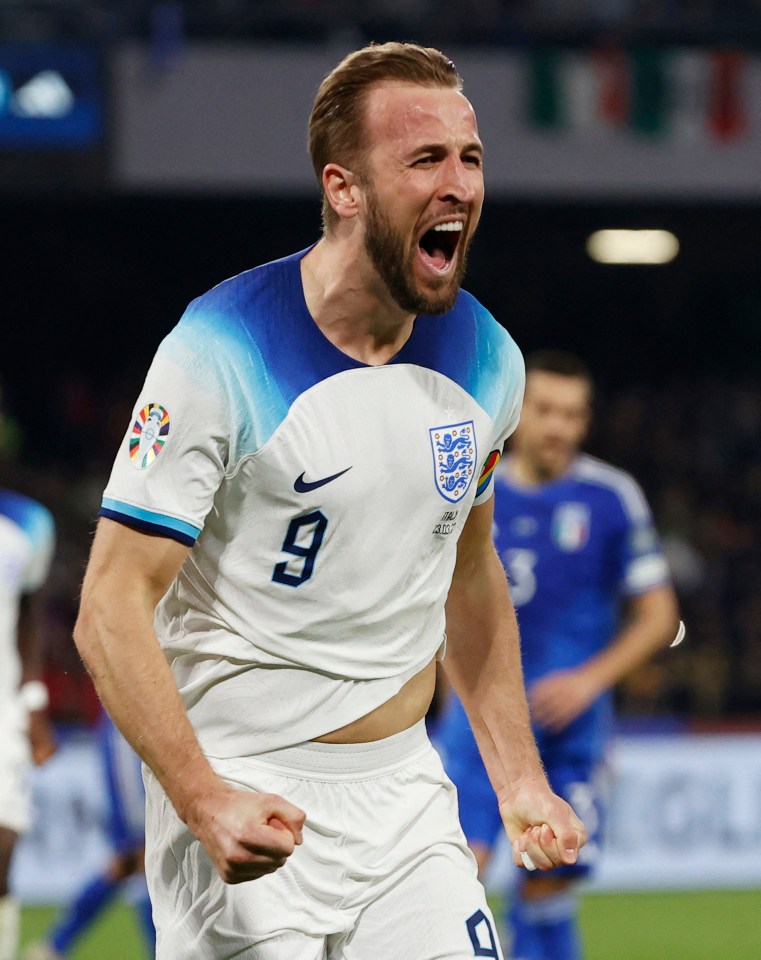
column 149, row 149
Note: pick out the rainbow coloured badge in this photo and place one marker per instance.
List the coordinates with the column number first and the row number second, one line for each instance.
column 150, row 432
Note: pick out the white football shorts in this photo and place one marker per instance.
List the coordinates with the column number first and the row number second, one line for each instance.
column 15, row 764
column 384, row 872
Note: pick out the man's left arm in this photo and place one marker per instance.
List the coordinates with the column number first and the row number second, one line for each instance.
column 558, row 698
column 483, row 664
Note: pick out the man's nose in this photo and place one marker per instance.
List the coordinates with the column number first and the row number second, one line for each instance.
column 459, row 182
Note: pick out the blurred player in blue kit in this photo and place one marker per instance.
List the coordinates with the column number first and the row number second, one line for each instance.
column 265, row 600
column 591, row 588
column 126, row 835
column 26, row 548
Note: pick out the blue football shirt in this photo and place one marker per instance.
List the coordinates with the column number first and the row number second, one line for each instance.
column 574, row 550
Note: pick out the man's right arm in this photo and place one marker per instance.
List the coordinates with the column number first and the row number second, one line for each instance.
column 246, row 835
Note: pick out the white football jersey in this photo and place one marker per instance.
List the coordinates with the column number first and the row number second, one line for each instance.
column 26, row 548
column 323, row 499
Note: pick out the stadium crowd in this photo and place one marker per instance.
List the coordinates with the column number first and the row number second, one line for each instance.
column 694, row 448
column 481, row 21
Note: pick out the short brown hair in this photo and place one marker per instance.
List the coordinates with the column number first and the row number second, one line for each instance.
column 562, row 363
column 337, row 118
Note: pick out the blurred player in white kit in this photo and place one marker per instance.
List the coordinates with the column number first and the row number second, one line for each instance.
column 26, row 548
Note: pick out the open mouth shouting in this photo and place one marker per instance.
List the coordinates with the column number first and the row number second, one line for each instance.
column 437, row 247
column 423, row 277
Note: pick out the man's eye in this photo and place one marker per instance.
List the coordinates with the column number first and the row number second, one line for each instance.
column 474, row 160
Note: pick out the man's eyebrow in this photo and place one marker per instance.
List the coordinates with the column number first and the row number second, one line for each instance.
column 472, row 146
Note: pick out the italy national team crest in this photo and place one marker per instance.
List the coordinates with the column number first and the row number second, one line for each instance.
column 150, row 432
column 454, row 459
column 570, row 526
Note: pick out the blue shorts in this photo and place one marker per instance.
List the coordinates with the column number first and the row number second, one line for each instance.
column 577, row 777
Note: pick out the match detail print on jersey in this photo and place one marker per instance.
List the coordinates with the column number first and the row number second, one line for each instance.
column 454, row 458
column 150, row 432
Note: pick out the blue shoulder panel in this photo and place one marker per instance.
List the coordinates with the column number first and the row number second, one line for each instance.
column 254, row 336
column 467, row 345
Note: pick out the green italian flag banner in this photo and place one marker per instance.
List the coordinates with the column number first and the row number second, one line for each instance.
column 646, row 91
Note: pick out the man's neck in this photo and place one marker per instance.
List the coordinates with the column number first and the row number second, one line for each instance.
column 350, row 303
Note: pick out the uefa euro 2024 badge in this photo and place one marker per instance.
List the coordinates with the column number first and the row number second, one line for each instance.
column 150, row 432
column 454, row 459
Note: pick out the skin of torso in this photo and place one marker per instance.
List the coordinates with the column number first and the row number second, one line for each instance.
column 400, row 712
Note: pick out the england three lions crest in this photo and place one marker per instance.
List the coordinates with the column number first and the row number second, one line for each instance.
column 454, row 459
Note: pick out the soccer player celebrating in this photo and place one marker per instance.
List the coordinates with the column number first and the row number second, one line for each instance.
column 323, row 430
column 577, row 540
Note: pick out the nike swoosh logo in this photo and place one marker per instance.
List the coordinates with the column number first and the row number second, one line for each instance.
column 300, row 485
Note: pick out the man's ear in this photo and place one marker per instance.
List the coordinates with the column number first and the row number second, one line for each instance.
column 341, row 190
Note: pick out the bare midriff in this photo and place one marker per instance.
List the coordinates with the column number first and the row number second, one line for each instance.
column 400, row 712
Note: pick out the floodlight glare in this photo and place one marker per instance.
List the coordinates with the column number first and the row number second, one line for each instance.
column 633, row 246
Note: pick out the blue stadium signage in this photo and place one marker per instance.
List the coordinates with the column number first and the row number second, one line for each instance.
column 50, row 97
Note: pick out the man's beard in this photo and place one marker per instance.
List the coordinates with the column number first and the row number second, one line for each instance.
column 385, row 247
